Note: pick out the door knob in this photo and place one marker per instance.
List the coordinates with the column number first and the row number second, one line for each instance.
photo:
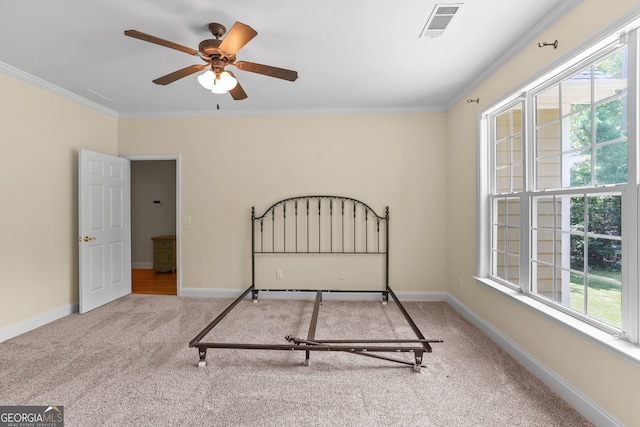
column 87, row 238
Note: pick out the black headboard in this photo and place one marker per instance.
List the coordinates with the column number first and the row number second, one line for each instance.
column 320, row 224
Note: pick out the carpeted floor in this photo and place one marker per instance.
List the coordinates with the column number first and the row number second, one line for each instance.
column 128, row 364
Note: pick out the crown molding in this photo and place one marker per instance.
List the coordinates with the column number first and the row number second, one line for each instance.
column 279, row 112
column 42, row 84
column 560, row 10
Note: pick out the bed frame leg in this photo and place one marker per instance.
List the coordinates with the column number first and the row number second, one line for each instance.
column 418, row 363
column 385, row 298
column 312, row 326
column 254, row 295
column 202, row 351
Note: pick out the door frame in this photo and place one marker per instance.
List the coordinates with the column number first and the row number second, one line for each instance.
column 176, row 157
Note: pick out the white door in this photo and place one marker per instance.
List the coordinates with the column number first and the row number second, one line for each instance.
column 104, row 228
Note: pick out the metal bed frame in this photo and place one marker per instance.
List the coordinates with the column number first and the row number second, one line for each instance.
column 344, row 226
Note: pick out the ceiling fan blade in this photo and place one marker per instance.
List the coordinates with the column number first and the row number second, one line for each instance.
column 267, row 70
column 237, row 92
column 176, row 75
column 153, row 39
column 239, row 35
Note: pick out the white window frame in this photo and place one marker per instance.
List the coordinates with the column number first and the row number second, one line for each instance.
column 599, row 45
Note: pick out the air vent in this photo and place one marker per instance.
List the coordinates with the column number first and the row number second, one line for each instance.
column 440, row 18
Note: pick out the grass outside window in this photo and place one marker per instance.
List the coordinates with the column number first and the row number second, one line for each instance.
column 604, row 299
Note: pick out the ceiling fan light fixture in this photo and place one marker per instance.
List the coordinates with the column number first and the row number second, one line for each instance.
column 222, row 83
column 207, row 79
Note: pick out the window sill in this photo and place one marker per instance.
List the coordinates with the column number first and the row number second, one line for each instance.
column 597, row 336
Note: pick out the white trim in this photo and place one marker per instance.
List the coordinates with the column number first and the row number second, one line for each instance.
column 576, row 54
column 142, row 265
column 24, row 326
column 483, row 229
column 176, row 157
column 630, row 273
column 282, row 112
column 604, row 340
column 578, row 400
column 558, row 12
column 351, row 296
column 38, row 82
column 210, row 293
column 422, row 296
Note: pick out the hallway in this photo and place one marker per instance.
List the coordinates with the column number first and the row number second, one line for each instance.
column 147, row 281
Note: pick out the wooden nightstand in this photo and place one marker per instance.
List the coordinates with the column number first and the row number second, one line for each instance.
column 164, row 253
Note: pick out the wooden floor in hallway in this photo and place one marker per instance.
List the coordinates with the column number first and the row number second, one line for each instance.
column 147, row 281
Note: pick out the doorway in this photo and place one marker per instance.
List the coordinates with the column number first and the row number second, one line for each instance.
column 155, row 224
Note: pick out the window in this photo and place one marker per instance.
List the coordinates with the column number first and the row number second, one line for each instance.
column 507, row 192
column 562, row 186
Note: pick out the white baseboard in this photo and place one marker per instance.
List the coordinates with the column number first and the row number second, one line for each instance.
column 579, row 401
column 422, row 296
column 210, row 293
column 144, row 265
column 352, row 296
column 37, row 321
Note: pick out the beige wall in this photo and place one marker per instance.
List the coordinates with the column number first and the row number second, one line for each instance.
column 231, row 164
column 610, row 381
column 40, row 134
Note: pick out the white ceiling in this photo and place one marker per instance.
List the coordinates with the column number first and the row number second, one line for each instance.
column 350, row 55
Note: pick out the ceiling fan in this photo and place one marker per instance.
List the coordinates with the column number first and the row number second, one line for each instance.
column 217, row 54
